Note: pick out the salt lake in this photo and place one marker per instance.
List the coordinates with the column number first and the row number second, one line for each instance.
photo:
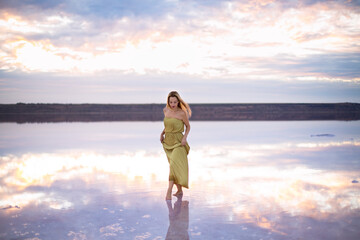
column 248, row 180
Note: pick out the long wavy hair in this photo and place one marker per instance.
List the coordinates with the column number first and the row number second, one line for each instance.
column 182, row 104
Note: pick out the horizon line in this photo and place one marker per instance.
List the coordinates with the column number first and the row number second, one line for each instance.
column 164, row 103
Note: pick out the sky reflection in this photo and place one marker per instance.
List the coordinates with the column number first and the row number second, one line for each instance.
column 253, row 181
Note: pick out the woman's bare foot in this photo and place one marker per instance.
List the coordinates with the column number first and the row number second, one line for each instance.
column 168, row 196
column 178, row 193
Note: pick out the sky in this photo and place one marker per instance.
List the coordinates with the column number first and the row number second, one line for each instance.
column 210, row 51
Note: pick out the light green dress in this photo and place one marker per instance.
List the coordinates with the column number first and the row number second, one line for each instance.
column 175, row 152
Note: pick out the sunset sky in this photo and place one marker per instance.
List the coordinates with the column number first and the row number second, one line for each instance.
column 211, row 51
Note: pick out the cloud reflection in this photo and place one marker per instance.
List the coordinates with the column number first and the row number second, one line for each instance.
column 280, row 179
column 260, row 185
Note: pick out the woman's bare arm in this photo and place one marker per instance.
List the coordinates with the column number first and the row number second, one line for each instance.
column 163, row 131
column 185, row 119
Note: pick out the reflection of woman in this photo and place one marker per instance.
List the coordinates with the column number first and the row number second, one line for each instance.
column 177, row 113
column 179, row 220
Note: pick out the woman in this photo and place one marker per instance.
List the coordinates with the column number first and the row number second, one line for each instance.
column 177, row 113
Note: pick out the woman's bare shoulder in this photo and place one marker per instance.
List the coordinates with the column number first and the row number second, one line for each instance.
column 182, row 114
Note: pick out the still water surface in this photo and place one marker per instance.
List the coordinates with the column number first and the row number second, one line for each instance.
column 248, row 180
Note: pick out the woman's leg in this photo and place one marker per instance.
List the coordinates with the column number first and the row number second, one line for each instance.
column 168, row 193
column 179, row 190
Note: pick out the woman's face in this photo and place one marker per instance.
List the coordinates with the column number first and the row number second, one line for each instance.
column 173, row 102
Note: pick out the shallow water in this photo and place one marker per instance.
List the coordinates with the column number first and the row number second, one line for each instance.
column 248, row 180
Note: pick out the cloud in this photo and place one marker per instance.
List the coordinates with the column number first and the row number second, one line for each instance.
column 330, row 66
column 240, row 41
column 112, row 9
column 18, row 4
column 104, row 9
column 117, row 87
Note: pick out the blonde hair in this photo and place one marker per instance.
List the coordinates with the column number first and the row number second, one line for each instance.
column 182, row 104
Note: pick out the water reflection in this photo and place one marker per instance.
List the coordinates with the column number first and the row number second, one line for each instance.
column 178, row 220
column 261, row 180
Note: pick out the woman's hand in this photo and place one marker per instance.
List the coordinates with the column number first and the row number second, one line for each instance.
column 161, row 138
column 183, row 141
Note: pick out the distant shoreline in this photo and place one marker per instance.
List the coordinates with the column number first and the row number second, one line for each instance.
column 32, row 113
